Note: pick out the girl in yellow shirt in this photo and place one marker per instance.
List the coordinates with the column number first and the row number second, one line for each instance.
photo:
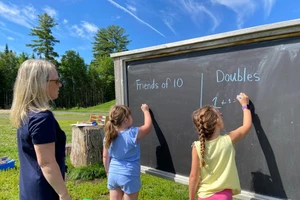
column 213, row 173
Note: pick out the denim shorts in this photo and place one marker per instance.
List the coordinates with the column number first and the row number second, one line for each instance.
column 128, row 184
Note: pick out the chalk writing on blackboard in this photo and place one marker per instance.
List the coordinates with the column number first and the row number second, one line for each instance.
column 241, row 75
column 153, row 84
column 217, row 104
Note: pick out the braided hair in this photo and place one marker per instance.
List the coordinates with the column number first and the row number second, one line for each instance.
column 205, row 120
column 117, row 115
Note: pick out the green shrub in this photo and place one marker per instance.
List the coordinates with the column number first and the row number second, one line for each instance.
column 91, row 172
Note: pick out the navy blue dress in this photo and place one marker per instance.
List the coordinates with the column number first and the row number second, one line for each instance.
column 40, row 128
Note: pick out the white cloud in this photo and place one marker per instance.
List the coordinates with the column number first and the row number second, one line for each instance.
column 65, row 21
column 133, row 15
column 84, row 30
column 22, row 15
column 242, row 8
column 10, row 38
column 215, row 20
column 168, row 18
column 268, row 4
column 131, row 8
column 2, row 47
column 245, row 8
column 13, row 32
column 30, row 12
column 196, row 10
column 51, row 12
column 78, row 31
column 89, row 27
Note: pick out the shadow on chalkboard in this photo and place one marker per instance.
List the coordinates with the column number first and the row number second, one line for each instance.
column 270, row 185
column 163, row 155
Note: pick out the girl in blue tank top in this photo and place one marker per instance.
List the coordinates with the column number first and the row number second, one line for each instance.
column 121, row 152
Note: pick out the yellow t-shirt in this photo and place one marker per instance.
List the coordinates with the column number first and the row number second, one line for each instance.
column 220, row 171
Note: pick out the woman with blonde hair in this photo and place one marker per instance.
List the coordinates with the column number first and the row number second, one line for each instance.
column 41, row 142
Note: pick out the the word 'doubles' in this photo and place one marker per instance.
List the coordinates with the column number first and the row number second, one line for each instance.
column 239, row 76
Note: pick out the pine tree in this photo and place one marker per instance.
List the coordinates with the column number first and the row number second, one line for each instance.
column 110, row 40
column 6, row 50
column 43, row 46
column 107, row 40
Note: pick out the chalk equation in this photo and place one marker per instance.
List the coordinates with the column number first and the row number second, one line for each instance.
column 153, row 84
column 218, row 103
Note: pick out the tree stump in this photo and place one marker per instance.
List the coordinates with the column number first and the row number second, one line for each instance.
column 68, row 149
column 87, row 145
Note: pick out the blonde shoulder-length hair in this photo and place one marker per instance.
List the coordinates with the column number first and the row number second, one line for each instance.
column 31, row 90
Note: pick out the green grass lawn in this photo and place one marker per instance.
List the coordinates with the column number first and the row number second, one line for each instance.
column 102, row 108
column 153, row 187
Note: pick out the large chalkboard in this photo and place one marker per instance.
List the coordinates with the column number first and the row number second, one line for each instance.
column 268, row 159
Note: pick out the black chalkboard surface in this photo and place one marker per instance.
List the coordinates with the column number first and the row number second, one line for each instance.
column 268, row 159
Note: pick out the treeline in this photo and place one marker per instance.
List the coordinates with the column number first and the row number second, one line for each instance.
column 83, row 84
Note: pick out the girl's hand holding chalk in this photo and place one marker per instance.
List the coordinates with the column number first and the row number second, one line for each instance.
column 144, row 107
column 243, row 99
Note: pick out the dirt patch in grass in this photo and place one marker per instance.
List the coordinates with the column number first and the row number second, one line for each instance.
column 4, row 111
column 95, row 181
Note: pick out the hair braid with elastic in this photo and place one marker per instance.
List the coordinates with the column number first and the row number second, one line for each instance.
column 205, row 120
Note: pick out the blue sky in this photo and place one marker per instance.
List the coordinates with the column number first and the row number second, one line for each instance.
column 147, row 22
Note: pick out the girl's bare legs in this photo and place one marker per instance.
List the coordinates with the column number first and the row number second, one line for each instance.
column 133, row 196
column 116, row 194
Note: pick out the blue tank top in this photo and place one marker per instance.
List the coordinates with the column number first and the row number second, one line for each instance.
column 125, row 153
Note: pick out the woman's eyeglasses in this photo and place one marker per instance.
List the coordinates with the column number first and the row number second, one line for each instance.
column 57, row 81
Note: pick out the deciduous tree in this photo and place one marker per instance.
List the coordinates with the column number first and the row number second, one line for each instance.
column 8, row 71
column 73, row 73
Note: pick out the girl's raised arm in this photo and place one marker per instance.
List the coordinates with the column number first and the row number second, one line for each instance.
column 145, row 129
column 239, row 133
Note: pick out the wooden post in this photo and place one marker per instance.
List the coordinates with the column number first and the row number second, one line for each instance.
column 87, row 145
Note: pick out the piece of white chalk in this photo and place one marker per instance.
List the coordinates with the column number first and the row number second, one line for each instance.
column 239, row 96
